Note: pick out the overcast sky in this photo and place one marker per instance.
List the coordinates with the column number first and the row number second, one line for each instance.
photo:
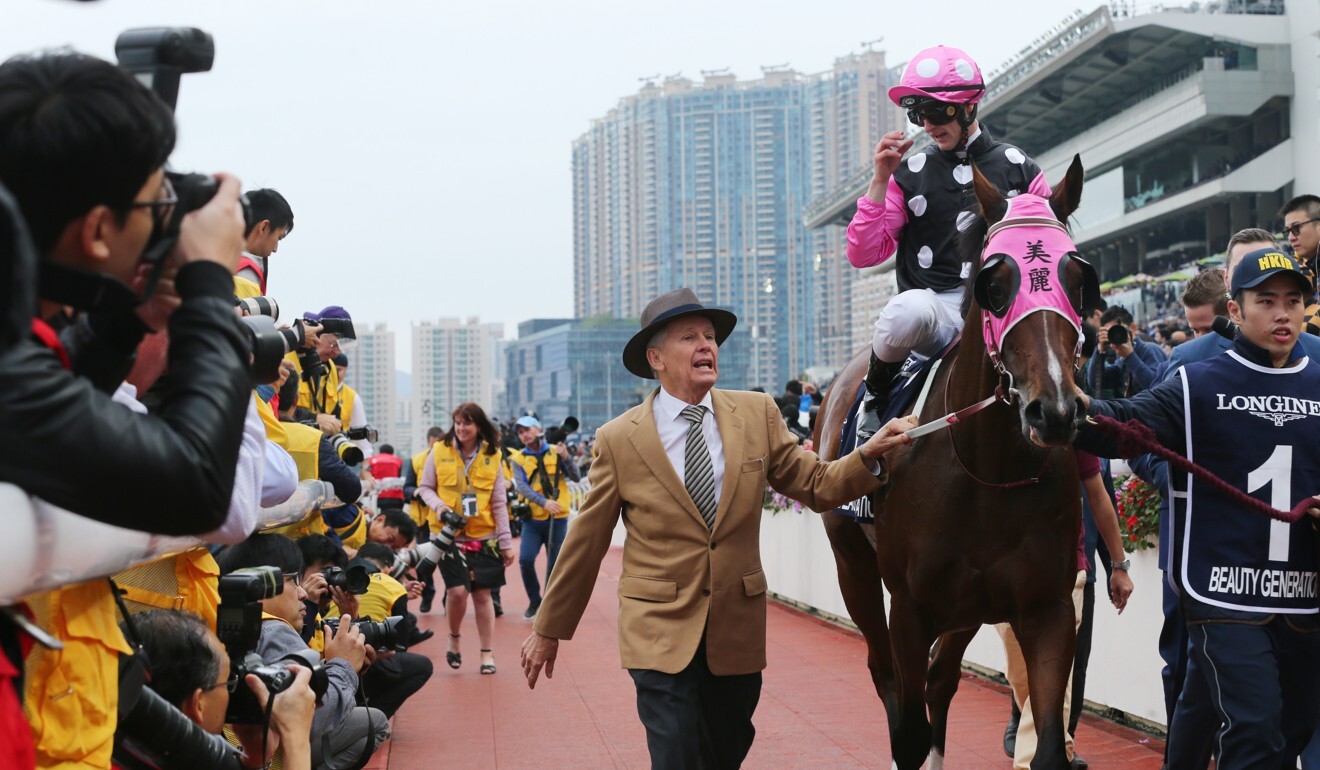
column 425, row 146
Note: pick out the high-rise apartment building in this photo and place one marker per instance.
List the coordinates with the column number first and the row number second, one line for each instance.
column 453, row 361
column 371, row 374
column 704, row 184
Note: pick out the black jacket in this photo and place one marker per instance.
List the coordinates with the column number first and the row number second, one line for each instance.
column 172, row 472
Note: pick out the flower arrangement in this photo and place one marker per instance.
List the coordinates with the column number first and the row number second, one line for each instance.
column 1138, row 512
column 777, row 503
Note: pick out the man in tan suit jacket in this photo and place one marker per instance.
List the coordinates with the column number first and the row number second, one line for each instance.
column 692, row 596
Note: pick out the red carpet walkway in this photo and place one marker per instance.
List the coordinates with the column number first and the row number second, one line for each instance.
column 817, row 710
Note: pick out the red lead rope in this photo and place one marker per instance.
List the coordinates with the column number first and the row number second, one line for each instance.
column 1134, row 439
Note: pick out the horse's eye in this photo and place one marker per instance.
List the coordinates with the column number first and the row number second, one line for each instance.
column 998, row 297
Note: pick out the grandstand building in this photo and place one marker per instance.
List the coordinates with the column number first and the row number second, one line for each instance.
column 1192, row 122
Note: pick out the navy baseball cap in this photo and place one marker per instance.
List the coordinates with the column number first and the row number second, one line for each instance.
column 528, row 421
column 1260, row 265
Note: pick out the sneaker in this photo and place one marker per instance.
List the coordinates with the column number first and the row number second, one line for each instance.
column 531, row 612
column 499, row 609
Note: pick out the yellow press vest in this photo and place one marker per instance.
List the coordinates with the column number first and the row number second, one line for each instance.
column 274, row 428
column 347, row 398
column 354, row 535
column 378, row 602
column 528, row 463
column 186, row 581
column 326, row 397
column 451, row 481
column 71, row 696
column 418, row 510
column 304, row 444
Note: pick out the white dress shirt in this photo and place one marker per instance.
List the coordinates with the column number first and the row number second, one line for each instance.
column 673, row 428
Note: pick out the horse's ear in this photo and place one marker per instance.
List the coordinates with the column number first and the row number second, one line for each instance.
column 1067, row 195
column 993, row 207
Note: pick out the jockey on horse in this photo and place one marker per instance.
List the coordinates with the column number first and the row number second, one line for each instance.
column 914, row 209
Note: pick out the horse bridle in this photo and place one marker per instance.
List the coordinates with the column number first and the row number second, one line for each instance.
column 1005, row 390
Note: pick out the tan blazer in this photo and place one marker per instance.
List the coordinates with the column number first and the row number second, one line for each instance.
column 680, row 579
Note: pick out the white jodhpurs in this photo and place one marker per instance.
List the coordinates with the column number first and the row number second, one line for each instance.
column 917, row 320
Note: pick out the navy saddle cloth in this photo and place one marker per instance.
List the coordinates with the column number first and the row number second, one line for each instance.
column 902, row 395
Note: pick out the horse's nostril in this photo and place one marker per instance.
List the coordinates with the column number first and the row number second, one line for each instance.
column 1035, row 413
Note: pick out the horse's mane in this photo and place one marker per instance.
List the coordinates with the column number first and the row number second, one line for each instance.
column 970, row 243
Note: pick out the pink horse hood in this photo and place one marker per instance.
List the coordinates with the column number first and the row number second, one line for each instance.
column 1032, row 239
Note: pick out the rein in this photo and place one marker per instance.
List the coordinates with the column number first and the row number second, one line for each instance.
column 1133, row 438
column 1006, row 395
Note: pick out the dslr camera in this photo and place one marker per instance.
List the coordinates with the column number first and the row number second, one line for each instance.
column 558, row 434
column 424, row 558
column 382, row 635
column 354, row 580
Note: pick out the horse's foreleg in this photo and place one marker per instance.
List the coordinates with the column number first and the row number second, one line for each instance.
column 909, row 729
column 941, row 684
column 863, row 595
column 1047, row 640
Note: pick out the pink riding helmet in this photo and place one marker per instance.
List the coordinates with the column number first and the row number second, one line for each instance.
column 941, row 73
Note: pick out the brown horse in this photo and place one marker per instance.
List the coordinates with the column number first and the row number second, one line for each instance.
column 979, row 523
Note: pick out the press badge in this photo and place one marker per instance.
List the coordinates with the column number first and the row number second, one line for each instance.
column 469, row 502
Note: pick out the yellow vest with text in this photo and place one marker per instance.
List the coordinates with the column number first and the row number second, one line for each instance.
column 245, row 289
column 451, row 482
column 304, row 445
column 527, row 461
column 71, row 696
column 186, row 581
column 418, row 510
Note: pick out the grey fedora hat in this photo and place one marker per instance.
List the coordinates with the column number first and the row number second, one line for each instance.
column 662, row 310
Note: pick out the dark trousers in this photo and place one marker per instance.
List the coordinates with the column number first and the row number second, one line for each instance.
column 1261, row 681
column 1082, row 657
column 389, row 682
column 695, row 720
column 1192, row 721
column 1311, row 754
column 428, row 582
column 536, row 534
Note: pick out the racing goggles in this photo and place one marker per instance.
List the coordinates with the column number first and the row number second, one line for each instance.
column 938, row 113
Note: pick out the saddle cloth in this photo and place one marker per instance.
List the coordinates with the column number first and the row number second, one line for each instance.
column 903, row 394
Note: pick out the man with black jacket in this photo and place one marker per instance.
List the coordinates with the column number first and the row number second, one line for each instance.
column 61, row 115
column 1247, row 584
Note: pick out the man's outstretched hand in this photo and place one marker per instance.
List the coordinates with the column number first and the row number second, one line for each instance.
column 538, row 652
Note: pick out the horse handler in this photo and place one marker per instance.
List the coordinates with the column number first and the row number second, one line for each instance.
column 687, row 471
column 1247, row 582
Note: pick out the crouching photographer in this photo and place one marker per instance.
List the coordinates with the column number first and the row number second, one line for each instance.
column 343, row 735
column 177, row 722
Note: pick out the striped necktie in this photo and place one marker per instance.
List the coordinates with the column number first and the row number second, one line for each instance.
column 698, row 475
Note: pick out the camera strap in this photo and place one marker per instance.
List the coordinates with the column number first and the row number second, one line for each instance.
column 549, row 485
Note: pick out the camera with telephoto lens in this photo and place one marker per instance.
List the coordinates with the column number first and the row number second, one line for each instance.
column 238, row 625
column 367, row 432
column 382, row 635
column 424, row 558
column 354, row 580
column 340, row 327
column 349, row 452
column 1118, row 335
column 558, row 434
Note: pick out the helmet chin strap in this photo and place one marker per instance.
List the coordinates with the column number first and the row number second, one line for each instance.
column 966, row 118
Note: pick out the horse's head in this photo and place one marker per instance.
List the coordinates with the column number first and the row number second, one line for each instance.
column 1031, row 287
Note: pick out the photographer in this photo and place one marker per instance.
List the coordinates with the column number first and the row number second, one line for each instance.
column 272, row 219
column 1124, row 365
column 463, row 474
column 190, row 670
column 541, row 473
column 91, row 232
column 318, row 390
column 396, row 675
column 422, row 515
column 342, row 734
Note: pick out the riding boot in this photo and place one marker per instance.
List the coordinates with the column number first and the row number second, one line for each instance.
column 879, row 379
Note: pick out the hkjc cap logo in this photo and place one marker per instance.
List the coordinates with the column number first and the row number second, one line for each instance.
column 1260, row 265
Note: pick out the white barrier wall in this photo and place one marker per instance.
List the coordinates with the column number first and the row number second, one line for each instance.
column 1124, row 672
